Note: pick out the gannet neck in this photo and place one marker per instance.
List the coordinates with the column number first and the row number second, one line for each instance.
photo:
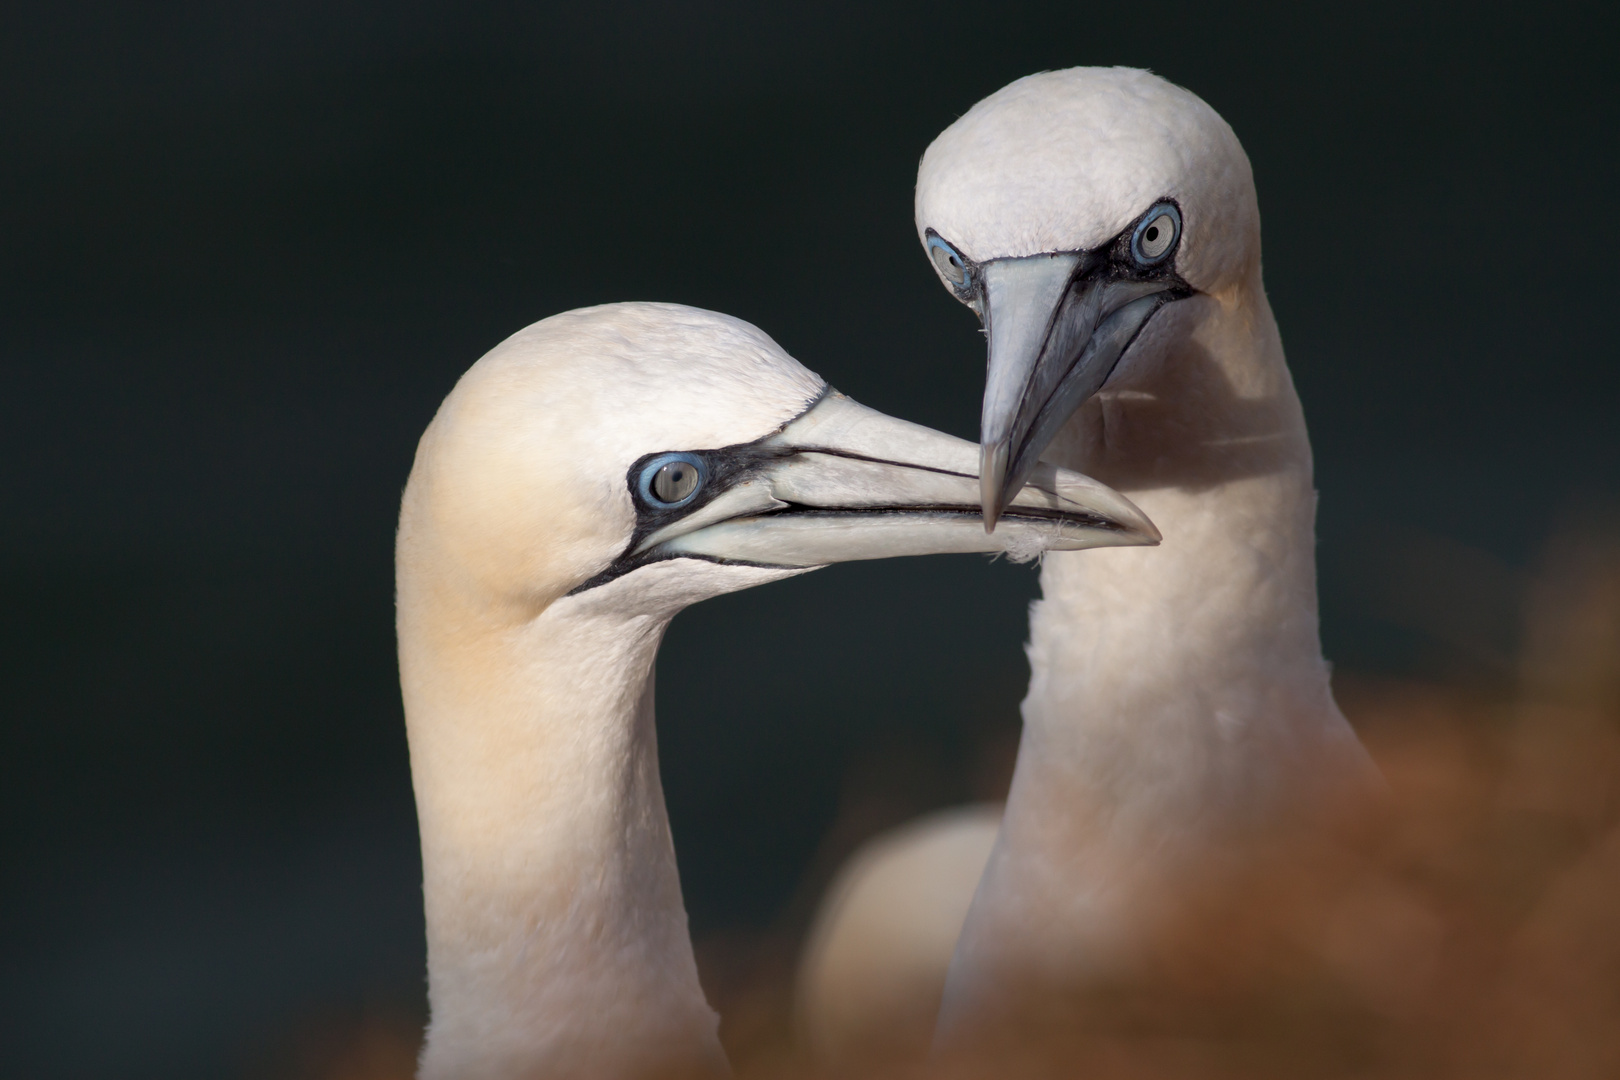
column 1189, row 687
column 1179, row 703
column 557, row 938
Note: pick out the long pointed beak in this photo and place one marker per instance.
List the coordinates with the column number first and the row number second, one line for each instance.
column 1057, row 324
column 844, row 482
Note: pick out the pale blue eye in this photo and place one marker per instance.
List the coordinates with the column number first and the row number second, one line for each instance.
column 949, row 261
column 670, row 481
column 1156, row 235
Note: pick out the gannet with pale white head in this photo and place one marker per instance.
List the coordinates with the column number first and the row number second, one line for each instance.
column 1103, row 224
column 585, row 481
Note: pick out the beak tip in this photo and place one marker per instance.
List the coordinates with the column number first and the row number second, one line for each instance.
column 992, row 476
column 1140, row 524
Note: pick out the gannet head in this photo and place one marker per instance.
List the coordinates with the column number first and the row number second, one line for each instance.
column 1068, row 209
column 600, row 443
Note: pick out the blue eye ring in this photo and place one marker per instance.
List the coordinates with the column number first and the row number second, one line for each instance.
column 649, row 473
column 1140, row 245
column 938, row 250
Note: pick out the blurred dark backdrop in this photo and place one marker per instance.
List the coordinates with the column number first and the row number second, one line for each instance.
column 245, row 249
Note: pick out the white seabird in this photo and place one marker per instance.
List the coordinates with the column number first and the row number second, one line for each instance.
column 1103, row 224
column 586, row 480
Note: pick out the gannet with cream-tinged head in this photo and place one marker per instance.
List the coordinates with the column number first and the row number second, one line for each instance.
column 1103, row 224
column 586, row 480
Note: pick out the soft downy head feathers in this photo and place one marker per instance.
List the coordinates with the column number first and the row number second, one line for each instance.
column 1064, row 160
column 520, row 479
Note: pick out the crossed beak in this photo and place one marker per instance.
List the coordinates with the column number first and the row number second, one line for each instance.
column 843, row 482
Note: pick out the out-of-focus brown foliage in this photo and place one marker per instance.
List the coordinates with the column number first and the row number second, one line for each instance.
column 1469, row 928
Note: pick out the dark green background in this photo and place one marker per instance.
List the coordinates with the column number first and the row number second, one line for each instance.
column 245, row 250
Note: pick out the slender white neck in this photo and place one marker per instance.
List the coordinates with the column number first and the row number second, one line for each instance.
column 1182, row 689
column 1179, row 703
column 557, row 939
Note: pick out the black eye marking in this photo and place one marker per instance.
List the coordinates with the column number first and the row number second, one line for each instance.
column 708, row 474
column 667, row 486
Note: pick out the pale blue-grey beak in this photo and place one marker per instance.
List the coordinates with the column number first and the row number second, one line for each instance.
column 1057, row 326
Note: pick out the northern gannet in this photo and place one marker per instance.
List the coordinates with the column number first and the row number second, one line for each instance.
column 1104, row 226
column 1103, row 223
column 586, row 480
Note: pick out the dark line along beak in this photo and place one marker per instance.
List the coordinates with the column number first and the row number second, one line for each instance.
column 1058, row 325
column 845, row 482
